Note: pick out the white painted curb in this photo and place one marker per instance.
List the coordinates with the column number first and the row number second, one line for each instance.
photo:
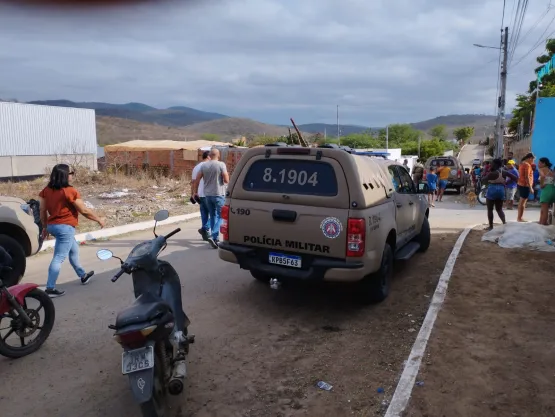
column 121, row 230
column 460, row 150
column 403, row 391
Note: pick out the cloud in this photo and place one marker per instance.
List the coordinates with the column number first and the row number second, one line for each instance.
column 381, row 62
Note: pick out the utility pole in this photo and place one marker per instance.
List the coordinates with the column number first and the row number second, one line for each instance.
column 500, row 125
column 387, row 138
column 338, row 139
column 419, row 139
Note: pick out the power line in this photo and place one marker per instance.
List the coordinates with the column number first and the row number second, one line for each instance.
column 541, row 41
column 519, row 22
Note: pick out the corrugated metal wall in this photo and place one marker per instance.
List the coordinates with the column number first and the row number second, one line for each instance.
column 28, row 129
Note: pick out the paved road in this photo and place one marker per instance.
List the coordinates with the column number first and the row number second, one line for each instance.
column 471, row 152
column 258, row 352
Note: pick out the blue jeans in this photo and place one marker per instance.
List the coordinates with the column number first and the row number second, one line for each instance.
column 65, row 245
column 204, row 215
column 215, row 204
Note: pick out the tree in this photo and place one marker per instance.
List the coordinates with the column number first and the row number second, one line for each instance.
column 438, row 132
column 463, row 134
column 433, row 147
column 524, row 108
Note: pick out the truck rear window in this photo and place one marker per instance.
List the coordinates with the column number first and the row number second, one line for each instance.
column 290, row 176
column 442, row 163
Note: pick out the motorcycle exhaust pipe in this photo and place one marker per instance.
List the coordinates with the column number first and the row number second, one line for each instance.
column 175, row 386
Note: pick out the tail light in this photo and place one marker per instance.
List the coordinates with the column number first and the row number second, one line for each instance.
column 224, row 227
column 134, row 338
column 356, row 235
column 424, row 175
column 459, row 173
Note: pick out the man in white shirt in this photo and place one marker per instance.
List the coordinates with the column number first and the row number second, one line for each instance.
column 204, row 231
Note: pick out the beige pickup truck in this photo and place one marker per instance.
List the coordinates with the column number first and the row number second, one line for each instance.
column 19, row 233
column 324, row 213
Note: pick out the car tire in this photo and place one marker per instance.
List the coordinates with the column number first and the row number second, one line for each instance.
column 425, row 236
column 260, row 276
column 375, row 287
column 19, row 260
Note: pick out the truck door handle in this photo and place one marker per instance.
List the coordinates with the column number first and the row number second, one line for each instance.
column 284, row 215
column 399, row 205
column 411, row 203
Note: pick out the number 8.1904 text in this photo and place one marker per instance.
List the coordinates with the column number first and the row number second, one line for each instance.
column 291, row 176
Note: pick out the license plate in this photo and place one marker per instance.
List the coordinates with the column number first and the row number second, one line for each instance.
column 285, row 260
column 137, row 360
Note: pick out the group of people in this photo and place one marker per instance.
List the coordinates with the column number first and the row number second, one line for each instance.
column 61, row 204
column 504, row 178
column 208, row 187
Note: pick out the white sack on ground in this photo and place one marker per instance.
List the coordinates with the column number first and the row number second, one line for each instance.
column 530, row 236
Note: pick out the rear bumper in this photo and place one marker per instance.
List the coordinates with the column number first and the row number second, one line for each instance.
column 318, row 269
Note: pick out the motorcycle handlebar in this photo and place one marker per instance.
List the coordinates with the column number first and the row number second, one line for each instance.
column 172, row 233
column 119, row 274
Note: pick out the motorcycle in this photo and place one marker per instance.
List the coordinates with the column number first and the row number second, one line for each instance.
column 24, row 321
column 153, row 330
column 481, row 196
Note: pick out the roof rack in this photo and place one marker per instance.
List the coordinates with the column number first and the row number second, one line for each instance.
column 336, row 146
column 383, row 155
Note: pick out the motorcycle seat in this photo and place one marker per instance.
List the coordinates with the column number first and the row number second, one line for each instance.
column 144, row 309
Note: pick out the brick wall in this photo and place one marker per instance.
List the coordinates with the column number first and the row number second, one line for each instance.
column 167, row 162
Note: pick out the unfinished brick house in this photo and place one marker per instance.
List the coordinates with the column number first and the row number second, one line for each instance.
column 168, row 157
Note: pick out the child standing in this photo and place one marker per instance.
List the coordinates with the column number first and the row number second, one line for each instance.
column 432, row 186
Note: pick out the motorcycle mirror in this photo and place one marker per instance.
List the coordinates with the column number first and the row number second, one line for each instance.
column 161, row 215
column 104, row 254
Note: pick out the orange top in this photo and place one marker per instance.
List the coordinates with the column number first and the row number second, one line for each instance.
column 59, row 204
column 525, row 175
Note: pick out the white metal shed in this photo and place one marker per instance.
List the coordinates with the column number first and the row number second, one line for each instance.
column 33, row 138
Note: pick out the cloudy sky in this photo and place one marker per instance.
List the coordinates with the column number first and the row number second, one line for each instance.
column 381, row 61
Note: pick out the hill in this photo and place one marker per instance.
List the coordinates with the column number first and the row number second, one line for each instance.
column 173, row 116
column 233, row 127
column 110, row 130
column 483, row 125
column 331, row 129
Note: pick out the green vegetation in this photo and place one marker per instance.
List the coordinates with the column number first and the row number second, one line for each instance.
column 463, row 134
column 211, row 137
column 525, row 103
column 402, row 136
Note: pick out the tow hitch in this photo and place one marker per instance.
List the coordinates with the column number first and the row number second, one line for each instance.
column 275, row 284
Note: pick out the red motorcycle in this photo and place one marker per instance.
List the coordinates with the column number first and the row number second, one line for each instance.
column 22, row 322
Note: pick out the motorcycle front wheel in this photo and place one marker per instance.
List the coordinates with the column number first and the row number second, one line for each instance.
column 482, row 196
column 16, row 339
column 156, row 406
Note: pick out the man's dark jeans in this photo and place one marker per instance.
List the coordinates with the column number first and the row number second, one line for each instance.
column 204, row 214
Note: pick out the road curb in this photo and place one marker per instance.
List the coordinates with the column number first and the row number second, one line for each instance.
column 460, row 150
column 122, row 230
column 403, row 391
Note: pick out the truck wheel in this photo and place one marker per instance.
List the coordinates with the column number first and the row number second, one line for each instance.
column 375, row 287
column 260, row 277
column 19, row 260
column 425, row 236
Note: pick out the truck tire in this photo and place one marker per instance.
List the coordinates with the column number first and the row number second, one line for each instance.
column 375, row 287
column 19, row 260
column 260, row 277
column 425, row 236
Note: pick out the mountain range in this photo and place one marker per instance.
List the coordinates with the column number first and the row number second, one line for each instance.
column 120, row 122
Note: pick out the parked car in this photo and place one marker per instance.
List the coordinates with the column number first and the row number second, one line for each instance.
column 19, row 234
column 323, row 214
column 456, row 178
column 477, row 161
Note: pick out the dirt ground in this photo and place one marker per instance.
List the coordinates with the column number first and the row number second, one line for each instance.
column 120, row 199
column 300, row 336
column 491, row 351
column 258, row 352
